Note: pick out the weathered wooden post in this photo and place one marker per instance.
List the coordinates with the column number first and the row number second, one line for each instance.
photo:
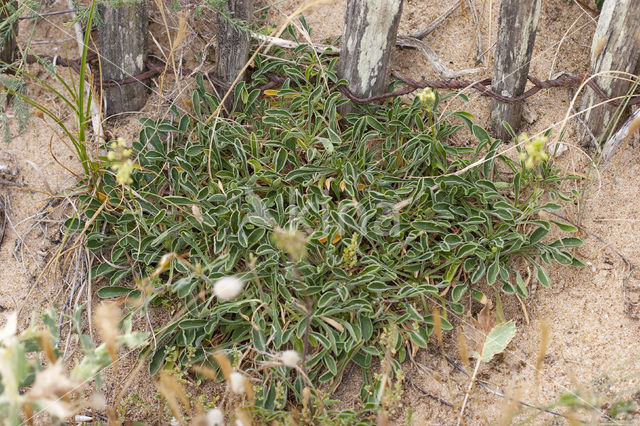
column 122, row 43
column 517, row 27
column 368, row 37
column 233, row 43
column 9, row 34
column 615, row 47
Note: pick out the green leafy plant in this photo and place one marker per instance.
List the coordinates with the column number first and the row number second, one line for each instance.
column 391, row 225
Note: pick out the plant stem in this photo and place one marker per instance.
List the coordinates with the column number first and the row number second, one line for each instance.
column 466, row 396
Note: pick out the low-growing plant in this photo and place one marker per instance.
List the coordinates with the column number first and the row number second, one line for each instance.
column 386, row 223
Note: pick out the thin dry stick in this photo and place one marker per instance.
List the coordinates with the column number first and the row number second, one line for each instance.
column 38, row 171
column 436, row 22
column 435, row 61
column 564, row 36
column 620, row 137
column 490, row 19
column 288, row 44
column 170, row 58
column 466, row 395
column 480, row 58
column 620, row 74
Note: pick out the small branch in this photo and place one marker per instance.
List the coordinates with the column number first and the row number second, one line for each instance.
column 480, row 58
column 434, row 59
column 500, row 394
column 288, row 44
column 466, row 395
column 5, row 182
column 430, row 395
column 39, row 15
column 620, row 136
column 434, row 24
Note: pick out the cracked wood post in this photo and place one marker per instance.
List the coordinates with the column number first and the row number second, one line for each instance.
column 122, row 43
column 368, row 38
column 615, row 47
column 517, row 27
column 8, row 36
column 233, row 43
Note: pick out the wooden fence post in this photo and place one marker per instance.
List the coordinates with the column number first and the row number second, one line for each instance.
column 8, row 36
column 122, row 43
column 233, row 43
column 517, row 27
column 368, row 37
column 615, row 47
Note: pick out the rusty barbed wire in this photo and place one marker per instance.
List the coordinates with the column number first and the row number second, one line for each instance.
column 483, row 86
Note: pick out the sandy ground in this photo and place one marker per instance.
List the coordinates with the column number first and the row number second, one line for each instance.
column 592, row 312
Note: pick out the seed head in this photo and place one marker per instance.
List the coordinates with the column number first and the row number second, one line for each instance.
column 290, row 358
column 236, row 382
column 227, row 288
column 215, row 417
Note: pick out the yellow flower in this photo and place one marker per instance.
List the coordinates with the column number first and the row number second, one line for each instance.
column 291, row 241
column 535, row 148
column 120, row 162
column 124, row 169
column 427, row 96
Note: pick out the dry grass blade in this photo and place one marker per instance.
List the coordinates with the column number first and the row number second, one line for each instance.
column 170, row 388
column 288, row 44
column 243, row 418
column 248, row 390
column 112, row 417
column 205, row 371
column 480, row 58
column 42, row 177
column 437, row 327
column 510, row 408
column 479, row 329
column 107, row 319
column 224, row 364
column 172, row 44
column 462, row 348
column 47, row 347
column 600, row 44
column 468, row 392
column 545, row 338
